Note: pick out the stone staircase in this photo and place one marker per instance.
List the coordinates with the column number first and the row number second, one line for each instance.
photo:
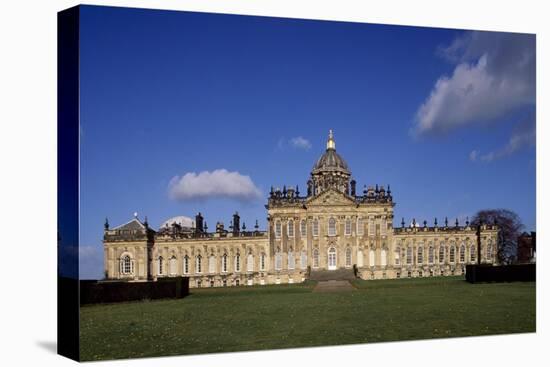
column 339, row 274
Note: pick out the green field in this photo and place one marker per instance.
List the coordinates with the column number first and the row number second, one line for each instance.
column 290, row 316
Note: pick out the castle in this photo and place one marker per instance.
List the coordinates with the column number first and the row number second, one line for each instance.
column 332, row 227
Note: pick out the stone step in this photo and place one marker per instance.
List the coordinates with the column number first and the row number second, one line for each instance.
column 339, row 274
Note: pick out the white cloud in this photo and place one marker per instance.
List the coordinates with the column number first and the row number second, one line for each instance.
column 473, row 155
column 300, row 143
column 524, row 136
column 219, row 183
column 495, row 74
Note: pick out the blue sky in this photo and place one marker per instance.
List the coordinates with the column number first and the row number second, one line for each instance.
column 186, row 112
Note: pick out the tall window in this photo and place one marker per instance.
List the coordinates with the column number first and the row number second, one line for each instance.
column 291, row 259
column 303, row 228
column 420, row 257
column 173, row 265
column 198, row 264
column 371, row 227
column 304, row 259
column 186, row 265
column 383, row 227
column 398, row 256
column 332, row 227
column 490, row 250
column 462, row 253
column 315, row 258
column 315, row 229
column 431, row 255
column 212, row 264
column 409, row 255
column 277, row 229
column 360, row 227
column 262, row 261
column 383, row 257
column 348, row 227
column 238, row 262
column 441, row 253
column 250, row 262
column 127, row 265
column 224, row 263
column 348, row 256
column 472, row 253
column 160, row 265
column 452, row 254
column 371, row 258
column 359, row 258
column 290, row 228
column 278, row 260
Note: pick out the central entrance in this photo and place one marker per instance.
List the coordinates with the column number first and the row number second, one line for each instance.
column 332, row 258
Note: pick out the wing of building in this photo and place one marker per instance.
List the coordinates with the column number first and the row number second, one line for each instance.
column 332, row 228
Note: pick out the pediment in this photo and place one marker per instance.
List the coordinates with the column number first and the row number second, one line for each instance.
column 329, row 198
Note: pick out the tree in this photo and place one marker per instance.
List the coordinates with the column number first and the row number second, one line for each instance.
column 510, row 227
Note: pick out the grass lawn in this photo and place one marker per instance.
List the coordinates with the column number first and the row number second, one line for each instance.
column 289, row 316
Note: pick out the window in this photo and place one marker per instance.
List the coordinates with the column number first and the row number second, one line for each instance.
column 409, row 255
column 420, row 257
column 250, row 262
column 420, row 274
column 198, row 265
column 452, row 254
column 277, row 229
column 224, row 282
column 371, row 258
column 262, row 261
column 383, row 227
column 398, row 256
column 173, row 265
column 303, row 259
column 490, row 251
column 431, row 273
column 290, row 228
column 348, row 256
column 237, row 282
column 332, row 227
column 359, row 258
column 315, row 258
column 409, row 274
column 472, row 253
column 315, row 229
column 290, row 259
column 127, row 265
column 303, row 228
column 348, row 227
column 212, row 284
column 278, row 260
column 160, row 265
column 212, row 264
column 238, row 262
column 186, row 265
column 199, row 283
column 398, row 275
column 441, row 253
column 462, row 253
column 224, row 263
column 431, row 255
column 360, row 227
column 371, row 227
column 383, row 257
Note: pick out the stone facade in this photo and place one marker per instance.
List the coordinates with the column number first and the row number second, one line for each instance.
column 331, row 227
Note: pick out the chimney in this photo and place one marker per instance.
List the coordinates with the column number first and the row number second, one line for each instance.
column 236, row 224
column 199, row 229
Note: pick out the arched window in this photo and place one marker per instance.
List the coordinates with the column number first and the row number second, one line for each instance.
column 278, row 260
column 409, row 255
column 238, row 262
column 472, row 253
column 186, row 265
column 452, row 254
column 315, row 230
column 397, row 256
column 332, row 227
column 371, row 258
column 303, row 228
column 212, row 264
column 489, row 251
column 420, row 256
column 198, row 264
column 348, row 227
column 250, row 262
column 383, row 257
column 359, row 258
column 315, row 258
column 160, row 265
column 462, row 253
column 278, row 229
column 441, row 253
column 290, row 228
column 173, row 265
column 262, row 261
column 224, row 263
column 431, row 255
column 126, row 265
column 304, row 259
column 290, row 259
column 360, row 226
column 348, row 256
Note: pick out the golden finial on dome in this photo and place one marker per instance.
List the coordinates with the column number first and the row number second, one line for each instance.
column 330, row 143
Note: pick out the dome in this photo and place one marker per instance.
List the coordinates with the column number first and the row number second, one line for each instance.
column 330, row 160
column 183, row 221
